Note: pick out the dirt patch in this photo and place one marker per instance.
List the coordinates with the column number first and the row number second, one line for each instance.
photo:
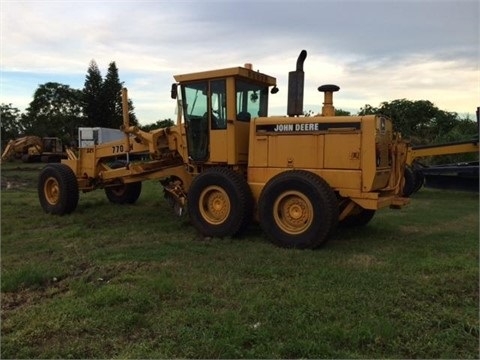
column 412, row 229
column 13, row 184
column 25, row 297
column 19, row 177
column 55, row 286
column 363, row 261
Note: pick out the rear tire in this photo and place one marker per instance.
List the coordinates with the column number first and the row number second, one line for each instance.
column 125, row 193
column 298, row 209
column 220, row 202
column 360, row 218
column 58, row 189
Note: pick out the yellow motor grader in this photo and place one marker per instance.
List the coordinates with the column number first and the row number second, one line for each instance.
column 415, row 171
column 34, row 149
column 228, row 163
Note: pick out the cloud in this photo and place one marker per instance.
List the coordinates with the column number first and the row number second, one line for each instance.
column 375, row 50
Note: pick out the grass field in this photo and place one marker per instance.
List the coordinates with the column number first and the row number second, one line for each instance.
column 137, row 282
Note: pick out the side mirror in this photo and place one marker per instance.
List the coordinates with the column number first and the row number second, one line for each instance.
column 173, row 91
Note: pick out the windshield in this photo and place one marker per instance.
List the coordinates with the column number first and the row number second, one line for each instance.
column 195, row 99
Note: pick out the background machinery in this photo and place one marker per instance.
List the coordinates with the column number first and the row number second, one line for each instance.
column 462, row 175
column 34, row 149
column 228, row 163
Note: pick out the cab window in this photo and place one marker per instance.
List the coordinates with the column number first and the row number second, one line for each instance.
column 218, row 104
column 252, row 100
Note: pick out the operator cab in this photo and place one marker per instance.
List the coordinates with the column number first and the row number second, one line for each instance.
column 217, row 108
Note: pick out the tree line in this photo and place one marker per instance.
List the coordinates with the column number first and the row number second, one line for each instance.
column 422, row 123
column 59, row 110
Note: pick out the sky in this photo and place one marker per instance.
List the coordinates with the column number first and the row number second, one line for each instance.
column 375, row 50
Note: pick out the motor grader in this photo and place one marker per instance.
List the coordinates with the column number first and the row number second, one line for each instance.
column 227, row 163
column 34, row 149
column 414, row 170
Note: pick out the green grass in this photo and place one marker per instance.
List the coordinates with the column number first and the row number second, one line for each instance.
column 137, row 282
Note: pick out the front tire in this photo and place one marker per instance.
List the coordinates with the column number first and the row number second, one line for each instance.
column 298, row 209
column 220, row 202
column 419, row 179
column 58, row 189
column 409, row 182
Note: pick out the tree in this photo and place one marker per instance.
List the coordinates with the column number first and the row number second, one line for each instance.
column 131, row 114
column 56, row 110
column 340, row 112
column 420, row 121
column 92, row 96
column 464, row 130
column 112, row 100
column 368, row 110
column 159, row 124
column 423, row 123
column 11, row 127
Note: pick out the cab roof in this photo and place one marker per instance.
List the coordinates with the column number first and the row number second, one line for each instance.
column 228, row 72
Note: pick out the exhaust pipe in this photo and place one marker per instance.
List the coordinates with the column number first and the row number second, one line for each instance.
column 295, row 87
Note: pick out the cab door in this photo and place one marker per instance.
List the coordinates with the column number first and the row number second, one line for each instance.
column 205, row 113
column 195, row 112
column 218, row 121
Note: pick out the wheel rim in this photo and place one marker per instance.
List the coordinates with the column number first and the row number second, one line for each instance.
column 51, row 189
column 214, row 205
column 293, row 212
column 118, row 190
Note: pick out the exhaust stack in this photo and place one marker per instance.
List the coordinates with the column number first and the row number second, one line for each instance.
column 295, row 87
column 328, row 90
